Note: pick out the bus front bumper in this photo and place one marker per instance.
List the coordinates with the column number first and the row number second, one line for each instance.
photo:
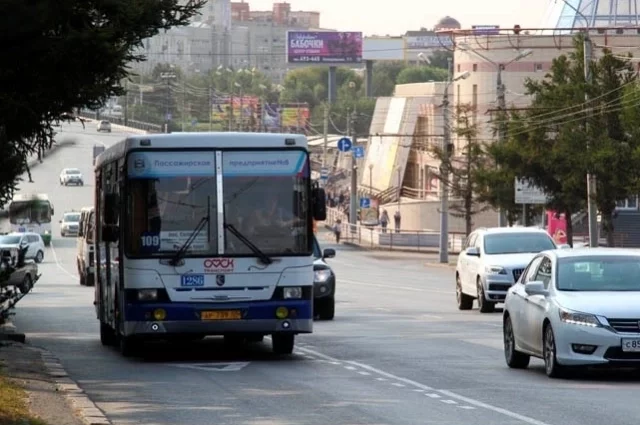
column 187, row 318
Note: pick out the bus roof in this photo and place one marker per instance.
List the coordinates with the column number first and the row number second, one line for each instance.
column 22, row 197
column 201, row 140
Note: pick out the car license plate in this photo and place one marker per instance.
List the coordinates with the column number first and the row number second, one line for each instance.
column 192, row 280
column 221, row 315
column 631, row 345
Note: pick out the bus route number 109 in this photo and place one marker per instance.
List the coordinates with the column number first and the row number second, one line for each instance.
column 150, row 241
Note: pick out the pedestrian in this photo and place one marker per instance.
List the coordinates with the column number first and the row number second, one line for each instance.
column 337, row 229
column 396, row 219
column 384, row 220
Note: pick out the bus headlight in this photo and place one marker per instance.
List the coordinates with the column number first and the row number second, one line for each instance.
column 46, row 232
column 147, row 294
column 292, row 292
column 321, row 275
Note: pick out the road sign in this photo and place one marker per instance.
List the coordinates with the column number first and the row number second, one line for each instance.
column 358, row 152
column 365, row 202
column 324, row 173
column 526, row 193
column 344, row 144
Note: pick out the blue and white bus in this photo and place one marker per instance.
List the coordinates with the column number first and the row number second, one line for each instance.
column 203, row 234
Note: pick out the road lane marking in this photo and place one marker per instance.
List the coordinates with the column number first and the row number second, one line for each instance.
column 449, row 394
column 59, row 264
column 396, row 287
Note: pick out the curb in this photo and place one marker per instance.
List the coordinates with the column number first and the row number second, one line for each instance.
column 86, row 409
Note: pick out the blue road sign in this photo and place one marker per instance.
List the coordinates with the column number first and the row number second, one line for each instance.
column 344, row 144
column 365, row 202
column 324, row 173
column 358, row 152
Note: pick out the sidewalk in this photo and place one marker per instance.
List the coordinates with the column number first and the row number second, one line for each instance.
column 28, row 393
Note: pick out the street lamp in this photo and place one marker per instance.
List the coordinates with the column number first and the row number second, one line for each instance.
column 422, row 57
column 502, row 133
column 444, row 166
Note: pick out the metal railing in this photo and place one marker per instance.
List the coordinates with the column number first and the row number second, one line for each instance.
column 389, row 238
column 140, row 125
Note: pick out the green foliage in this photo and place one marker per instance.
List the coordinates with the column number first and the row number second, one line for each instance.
column 556, row 142
column 71, row 54
column 421, row 74
column 463, row 169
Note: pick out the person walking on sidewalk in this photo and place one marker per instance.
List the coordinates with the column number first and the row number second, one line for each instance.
column 384, row 220
column 396, row 219
column 337, row 230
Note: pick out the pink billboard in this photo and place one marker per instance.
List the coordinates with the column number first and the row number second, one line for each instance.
column 324, row 47
column 557, row 227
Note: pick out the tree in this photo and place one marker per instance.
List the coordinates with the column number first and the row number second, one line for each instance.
column 462, row 169
column 66, row 55
column 440, row 58
column 421, row 74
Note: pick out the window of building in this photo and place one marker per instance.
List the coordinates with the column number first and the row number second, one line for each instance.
column 475, row 67
column 537, row 67
column 458, row 67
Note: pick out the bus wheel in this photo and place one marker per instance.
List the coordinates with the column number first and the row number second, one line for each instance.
column 129, row 347
column 283, row 343
column 107, row 335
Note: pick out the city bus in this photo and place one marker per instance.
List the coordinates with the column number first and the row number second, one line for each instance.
column 202, row 234
column 31, row 213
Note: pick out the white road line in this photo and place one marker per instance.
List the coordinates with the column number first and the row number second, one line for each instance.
column 395, row 287
column 58, row 264
column 433, row 395
column 449, row 394
column 397, row 384
column 467, row 407
column 361, row 372
column 350, row 368
column 449, row 401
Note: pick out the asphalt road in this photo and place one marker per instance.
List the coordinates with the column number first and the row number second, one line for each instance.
column 398, row 352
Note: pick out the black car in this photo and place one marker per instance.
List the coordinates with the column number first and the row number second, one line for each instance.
column 324, row 283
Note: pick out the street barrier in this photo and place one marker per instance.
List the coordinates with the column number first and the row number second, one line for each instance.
column 139, row 125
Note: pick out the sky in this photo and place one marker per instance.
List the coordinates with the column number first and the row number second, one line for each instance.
column 395, row 17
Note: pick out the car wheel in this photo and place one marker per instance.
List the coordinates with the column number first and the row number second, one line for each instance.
column 465, row 302
column 551, row 366
column 26, row 285
column 483, row 305
column 515, row 359
column 282, row 343
column 39, row 257
column 327, row 309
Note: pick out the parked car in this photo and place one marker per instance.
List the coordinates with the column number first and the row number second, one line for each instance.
column 71, row 176
column 16, row 271
column 70, row 224
column 104, row 125
column 492, row 260
column 32, row 241
column 575, row 308
column 324, row 283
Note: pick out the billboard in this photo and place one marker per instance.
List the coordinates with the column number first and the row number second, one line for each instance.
column 324, row 47
column 286, row 118
column 383, row 48
column 429, row 42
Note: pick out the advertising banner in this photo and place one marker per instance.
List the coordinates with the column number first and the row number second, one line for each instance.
column 324, row 47
column 429, row 42
column 276, row 118
column 236, row 164
column 150, row 165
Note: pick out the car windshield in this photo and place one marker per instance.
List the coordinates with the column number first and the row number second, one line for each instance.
column 9, row 240
column 73, row 218
column 73, row 171
column 266, row 199
column 599, row 273
column 517, row 243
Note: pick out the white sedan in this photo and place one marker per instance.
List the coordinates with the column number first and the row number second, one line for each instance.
column 573, row 308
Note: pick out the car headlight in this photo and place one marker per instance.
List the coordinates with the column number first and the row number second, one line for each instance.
column 46, row 232
column 575, row 318
column 292, row 292
column 147, row 295
column 494, row 270
column 321, row 275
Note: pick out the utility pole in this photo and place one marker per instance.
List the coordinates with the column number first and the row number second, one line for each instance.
column 444, row 172
column 326, row 135
column 167, row 76
column 353, row 201
column 210, row 109
column 184, row 101
column 126, row 103
column 591, row 178
column 502, row 131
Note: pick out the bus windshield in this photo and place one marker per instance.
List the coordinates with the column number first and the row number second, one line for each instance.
column 22, row 212
column 171, row 194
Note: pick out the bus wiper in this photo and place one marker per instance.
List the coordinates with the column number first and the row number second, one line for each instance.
column 192, row 237
column 264, row 258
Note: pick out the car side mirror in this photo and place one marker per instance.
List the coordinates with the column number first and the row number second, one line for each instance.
column 472, row 251
column 535, row 287
column 329, row 253
column 564, row 246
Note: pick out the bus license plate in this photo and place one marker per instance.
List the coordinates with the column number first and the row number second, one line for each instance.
column 631, row 345
column 221, row 315
column 192, row 280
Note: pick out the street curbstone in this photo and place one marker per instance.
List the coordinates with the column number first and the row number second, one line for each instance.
column 75, row 396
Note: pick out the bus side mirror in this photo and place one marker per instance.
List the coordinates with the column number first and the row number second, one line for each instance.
column 110, row 233
column 319, row 204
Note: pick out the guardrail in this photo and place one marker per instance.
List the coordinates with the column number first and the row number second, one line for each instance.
column 390, row 238
column 140, row 125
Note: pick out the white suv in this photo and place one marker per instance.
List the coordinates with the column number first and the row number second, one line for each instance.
column 104, row 125
column 492, row 259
